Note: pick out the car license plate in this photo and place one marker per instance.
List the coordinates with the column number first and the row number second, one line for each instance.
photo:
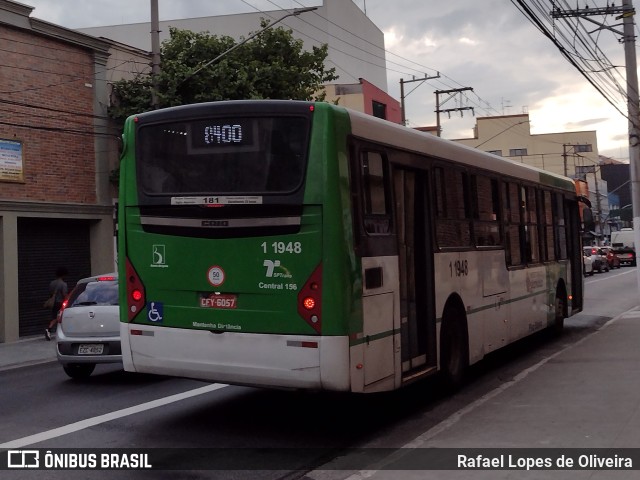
column 91, row 349
column 222, row 300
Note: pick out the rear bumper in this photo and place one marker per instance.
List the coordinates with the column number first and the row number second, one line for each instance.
column 67, row 349
column 279, row 361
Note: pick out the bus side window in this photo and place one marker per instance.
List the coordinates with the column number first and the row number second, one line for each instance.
column 530, row 207
column 511, row 205
column 453, row 209
column 377, row 217
column 560, row 226
column 486, row 210
column 548, row 229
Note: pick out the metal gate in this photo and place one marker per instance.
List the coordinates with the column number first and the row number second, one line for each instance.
column 43, row 246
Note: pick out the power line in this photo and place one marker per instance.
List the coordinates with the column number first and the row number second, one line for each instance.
column 570, row 50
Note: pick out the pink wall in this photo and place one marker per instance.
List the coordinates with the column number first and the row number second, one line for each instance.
column 370, row 93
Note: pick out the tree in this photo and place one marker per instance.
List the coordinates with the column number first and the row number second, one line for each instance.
column 272, row 65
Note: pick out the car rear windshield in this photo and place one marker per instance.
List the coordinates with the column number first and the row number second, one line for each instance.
column 230, row 155
column 94, row 293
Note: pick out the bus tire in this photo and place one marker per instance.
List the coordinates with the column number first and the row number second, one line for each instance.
column 454, row 348
column 560, row 311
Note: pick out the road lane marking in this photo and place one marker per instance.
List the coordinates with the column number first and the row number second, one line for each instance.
column 91, row 422
column 633, row 270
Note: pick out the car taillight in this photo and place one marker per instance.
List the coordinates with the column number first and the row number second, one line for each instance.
column 107, row 278
column 135, row 292
column 309, row 300
column 65, row 302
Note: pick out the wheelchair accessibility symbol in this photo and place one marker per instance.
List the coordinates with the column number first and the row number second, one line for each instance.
column 155, row 312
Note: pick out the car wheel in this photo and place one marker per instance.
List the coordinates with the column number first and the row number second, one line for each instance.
column 79, row 371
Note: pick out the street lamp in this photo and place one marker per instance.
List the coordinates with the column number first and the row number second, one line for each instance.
column 293, row 13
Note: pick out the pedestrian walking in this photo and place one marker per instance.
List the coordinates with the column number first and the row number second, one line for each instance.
column 58, row 290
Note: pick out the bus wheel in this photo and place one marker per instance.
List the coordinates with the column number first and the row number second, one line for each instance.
column 454, row 347
column 560, row 308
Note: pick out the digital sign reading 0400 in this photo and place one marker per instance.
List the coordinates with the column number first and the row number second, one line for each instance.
column 223, row 134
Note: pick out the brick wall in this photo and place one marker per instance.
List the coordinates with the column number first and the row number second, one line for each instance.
column 45, row 103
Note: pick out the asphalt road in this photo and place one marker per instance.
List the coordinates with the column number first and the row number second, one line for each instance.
column 40, row 407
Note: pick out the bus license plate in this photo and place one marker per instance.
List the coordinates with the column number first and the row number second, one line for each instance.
column 224, row 300
column 91, row 349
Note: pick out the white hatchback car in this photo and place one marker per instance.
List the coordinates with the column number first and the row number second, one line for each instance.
column 88, row 330
column 587, row 264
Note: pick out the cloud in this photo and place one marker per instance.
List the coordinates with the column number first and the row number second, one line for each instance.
column 584, row 124
column 488, row 45
column 468, row 41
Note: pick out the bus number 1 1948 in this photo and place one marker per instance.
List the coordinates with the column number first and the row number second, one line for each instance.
column 459, row 268
column 282, row 247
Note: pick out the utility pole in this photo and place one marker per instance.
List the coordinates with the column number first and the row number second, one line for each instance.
column 403, row 96
column 634, row 117
column 452, row 93
column 598, row 210
column 564, row 158
column 155, row 53
column 626, row 12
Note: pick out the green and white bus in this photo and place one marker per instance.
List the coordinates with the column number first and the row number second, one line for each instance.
column 303, row 245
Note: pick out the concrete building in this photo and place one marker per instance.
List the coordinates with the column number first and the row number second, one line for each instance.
column 618, row 178
column 365, row 97
column 356, row 44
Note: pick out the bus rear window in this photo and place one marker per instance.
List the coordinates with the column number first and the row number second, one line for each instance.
column 265, row 155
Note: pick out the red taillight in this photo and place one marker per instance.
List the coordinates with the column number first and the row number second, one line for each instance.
column 309, row 300
column 106, row 279
column 309, row 303
column 135, row 292
column 65, row 302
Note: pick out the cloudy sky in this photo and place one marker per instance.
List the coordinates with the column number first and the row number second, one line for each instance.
column 488, row 45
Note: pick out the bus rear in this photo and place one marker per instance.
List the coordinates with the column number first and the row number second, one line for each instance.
column 226, row 222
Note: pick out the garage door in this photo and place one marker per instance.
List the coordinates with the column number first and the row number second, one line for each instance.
column 43, row 246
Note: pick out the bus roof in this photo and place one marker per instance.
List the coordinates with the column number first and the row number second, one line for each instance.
column 378, row 130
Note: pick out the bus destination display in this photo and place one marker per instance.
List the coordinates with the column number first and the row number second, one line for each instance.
column 223, row 133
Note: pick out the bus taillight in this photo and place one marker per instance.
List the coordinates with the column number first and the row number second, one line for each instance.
column 309, row 304
column 135, row 292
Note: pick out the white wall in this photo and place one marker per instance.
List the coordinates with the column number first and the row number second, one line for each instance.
column 356, row 44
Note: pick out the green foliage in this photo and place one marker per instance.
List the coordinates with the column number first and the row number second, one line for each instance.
column 272, row 65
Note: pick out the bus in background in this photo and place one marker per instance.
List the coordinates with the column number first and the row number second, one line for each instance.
column 303, row 245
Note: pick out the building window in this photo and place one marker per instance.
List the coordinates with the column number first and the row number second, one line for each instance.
column 379, row 110
column 517, row 152
column 583, row 148
column 495, row 152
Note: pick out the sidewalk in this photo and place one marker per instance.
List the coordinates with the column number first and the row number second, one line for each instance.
column 585, row 396
column 28, row 351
